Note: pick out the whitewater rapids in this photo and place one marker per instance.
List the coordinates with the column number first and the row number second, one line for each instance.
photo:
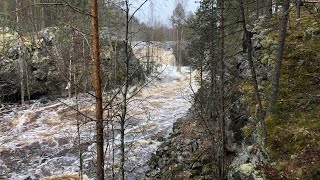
column 39, row 141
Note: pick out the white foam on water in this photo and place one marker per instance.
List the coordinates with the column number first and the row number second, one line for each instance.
column 42, row 138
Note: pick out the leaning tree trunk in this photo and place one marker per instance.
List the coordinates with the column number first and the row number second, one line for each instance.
column 253, row 73
column 277, row 67
column 98, row 89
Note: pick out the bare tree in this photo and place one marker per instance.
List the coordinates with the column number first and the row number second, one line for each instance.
column 128, row 77
column 150, row 36
column 125, row 92
column 253, row 71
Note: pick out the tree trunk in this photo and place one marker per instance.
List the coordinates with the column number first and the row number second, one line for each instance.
column 257, row 8
column 17, row 13
column 79, row 137
column 22, row 85
column 34, row 17
column 42, row 17
column 253, row 73
column 27, row 80
column 124, row 102
column 70, row 77
column 269, row 9
column 21, row 60
column 97, row 87
column 222, row 116
column 148, row 54
column 281, row 45
column 180, row 48
column 298, row 9
column 4, row 27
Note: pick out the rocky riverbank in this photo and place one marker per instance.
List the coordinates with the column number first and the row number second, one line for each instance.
column 184, row 154
column 189, row 152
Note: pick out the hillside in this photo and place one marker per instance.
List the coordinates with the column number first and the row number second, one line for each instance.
column 292, row 150
column 294, row 127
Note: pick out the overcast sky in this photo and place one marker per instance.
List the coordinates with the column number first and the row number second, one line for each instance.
column 162, row 9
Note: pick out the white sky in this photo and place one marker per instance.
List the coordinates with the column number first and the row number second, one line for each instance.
column 162, row 9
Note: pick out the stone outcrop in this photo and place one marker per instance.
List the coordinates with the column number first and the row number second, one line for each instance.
column 29, row 55
column 178, row 155
column 249, row 152
column 40, row 64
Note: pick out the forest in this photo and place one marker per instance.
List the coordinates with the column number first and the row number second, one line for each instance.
column 105, row 89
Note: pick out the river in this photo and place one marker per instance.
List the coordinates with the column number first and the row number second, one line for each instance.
column 40, row 140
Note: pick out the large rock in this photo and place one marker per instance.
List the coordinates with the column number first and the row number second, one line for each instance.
column 248, row 149
column 246, row 172
column 29, row 54
column 44, row 57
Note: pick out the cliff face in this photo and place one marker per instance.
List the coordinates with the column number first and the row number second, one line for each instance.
column 27, row 59
column 293, row 127
column 52, row 63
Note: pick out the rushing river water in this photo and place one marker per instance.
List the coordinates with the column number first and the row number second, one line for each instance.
column 40, row 140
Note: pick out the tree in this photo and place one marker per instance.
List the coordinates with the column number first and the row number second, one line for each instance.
column 98, row 89
column 177, row 19
column 298, row 4
column 150, row 36
column 129, row 73
column 269, row 9
column 247, row 35
column 279, row 56
column 222, row 74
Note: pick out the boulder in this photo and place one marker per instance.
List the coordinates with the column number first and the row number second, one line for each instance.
column 28, row 54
